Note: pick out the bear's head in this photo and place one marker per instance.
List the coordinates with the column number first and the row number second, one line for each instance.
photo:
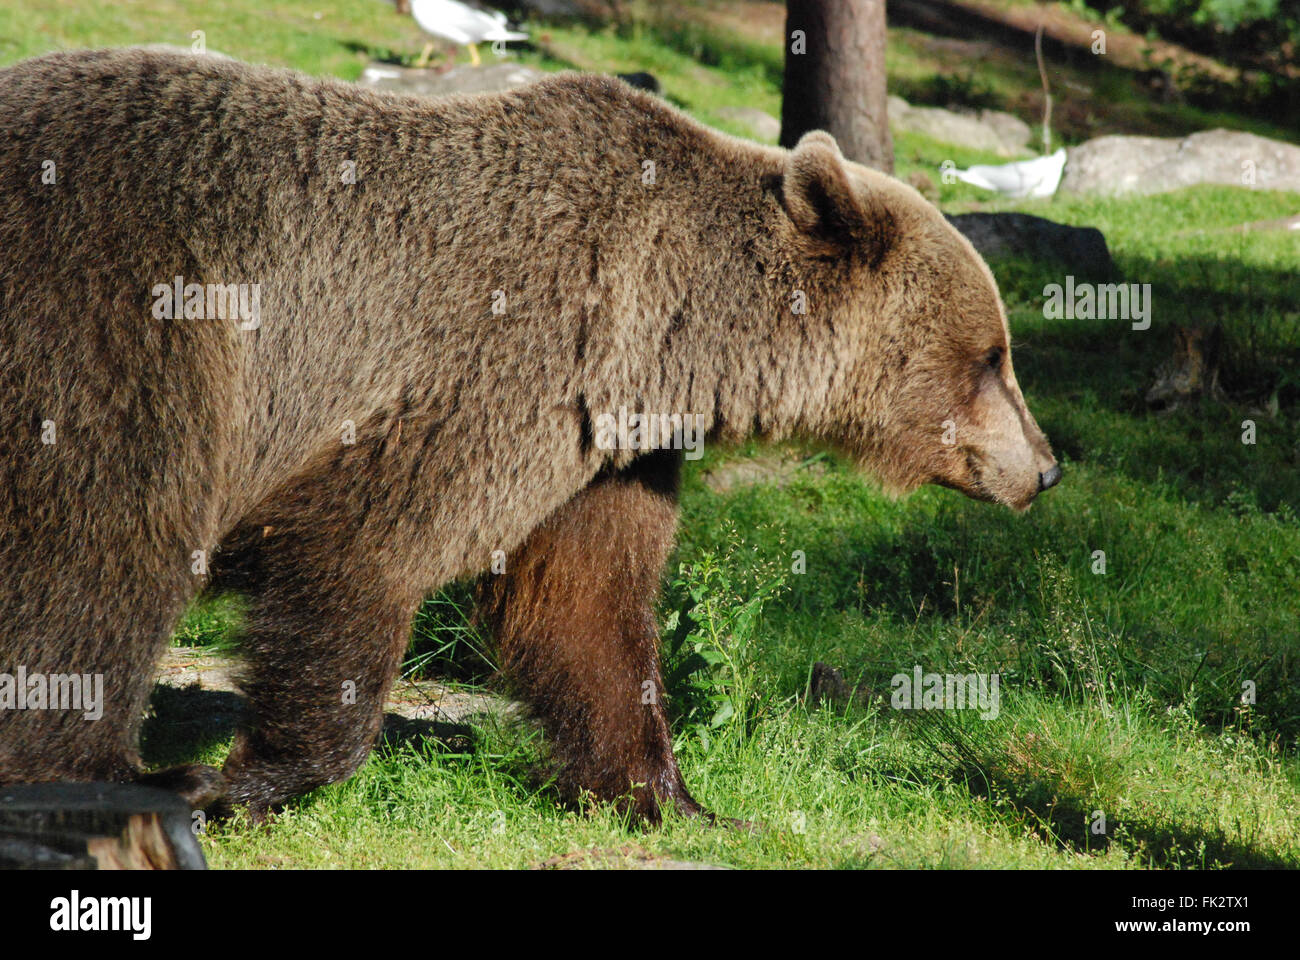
column 923, row 390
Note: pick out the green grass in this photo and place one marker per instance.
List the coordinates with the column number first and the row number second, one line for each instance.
column 1121, row 692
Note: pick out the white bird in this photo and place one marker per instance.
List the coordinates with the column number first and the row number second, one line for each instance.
column 461, row 24
column 1038, row 177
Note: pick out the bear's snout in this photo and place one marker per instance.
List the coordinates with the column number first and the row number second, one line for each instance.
column 1049, row 479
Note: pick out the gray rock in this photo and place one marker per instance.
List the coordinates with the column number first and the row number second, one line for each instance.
column 1116, row 164
column 989, row 130
column 1109, row 166
column 760, row 124
column 1082, row 249
column 486, row 79
column 1011, row 130
column 827, row 685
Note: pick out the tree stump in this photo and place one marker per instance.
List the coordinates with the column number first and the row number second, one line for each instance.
column 95, row 826
column 1193, row 369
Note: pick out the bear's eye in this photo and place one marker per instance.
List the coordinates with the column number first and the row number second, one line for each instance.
column 993, row 359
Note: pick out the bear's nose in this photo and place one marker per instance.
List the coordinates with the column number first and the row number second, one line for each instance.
column 1051, row 478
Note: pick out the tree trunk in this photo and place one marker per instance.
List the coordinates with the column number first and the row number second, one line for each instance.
column 835, row 77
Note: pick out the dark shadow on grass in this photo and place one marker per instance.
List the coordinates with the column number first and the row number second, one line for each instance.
column 1076, row 823
column 187, row 721
column 1110, row 366
column 399, row 731
column 1022, row 616
column 1068, row 823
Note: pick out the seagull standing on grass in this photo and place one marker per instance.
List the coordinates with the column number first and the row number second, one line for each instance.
column 1038, row 177
column 461, row 24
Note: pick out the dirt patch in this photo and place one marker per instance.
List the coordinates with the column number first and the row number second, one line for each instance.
column 627, row 857
column 759, row 21
column 187, row 668
column 778, row 469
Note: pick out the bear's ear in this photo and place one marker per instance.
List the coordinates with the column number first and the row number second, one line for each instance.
column 816, row 192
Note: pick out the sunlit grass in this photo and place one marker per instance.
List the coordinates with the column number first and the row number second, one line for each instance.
column 1122, row 691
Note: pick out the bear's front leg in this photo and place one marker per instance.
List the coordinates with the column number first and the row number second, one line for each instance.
column 574, row 618
column 327, row 628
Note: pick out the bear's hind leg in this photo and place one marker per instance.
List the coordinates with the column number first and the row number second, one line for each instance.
column 574, row 618
column 87, row 642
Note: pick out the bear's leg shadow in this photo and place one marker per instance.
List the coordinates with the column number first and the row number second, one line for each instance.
column 574, row 618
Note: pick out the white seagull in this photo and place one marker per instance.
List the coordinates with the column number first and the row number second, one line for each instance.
column 1038, row 177
column 462, row 24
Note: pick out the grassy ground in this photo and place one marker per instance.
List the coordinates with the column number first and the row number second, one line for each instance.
column 1121, row 691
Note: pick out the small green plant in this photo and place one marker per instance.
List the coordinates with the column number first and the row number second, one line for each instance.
column 709, row 656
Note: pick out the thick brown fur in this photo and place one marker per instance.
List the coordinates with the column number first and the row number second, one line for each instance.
column 670, row 293
column 574, row 615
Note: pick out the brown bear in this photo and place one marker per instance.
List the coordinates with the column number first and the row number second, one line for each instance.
column 337, row 348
